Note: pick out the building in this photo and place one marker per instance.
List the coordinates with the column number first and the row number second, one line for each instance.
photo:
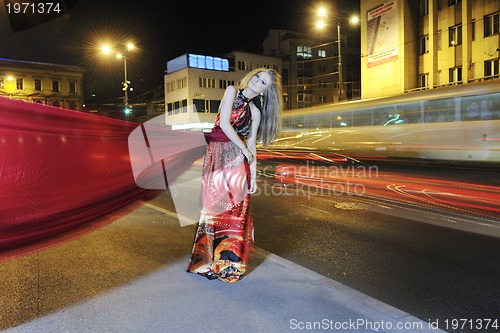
column 50, row 84
column 412, row 45
column 195, row 85
column 311, row 66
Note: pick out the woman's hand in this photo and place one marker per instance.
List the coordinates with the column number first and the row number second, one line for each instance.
column 248, row 154
column 253, row 186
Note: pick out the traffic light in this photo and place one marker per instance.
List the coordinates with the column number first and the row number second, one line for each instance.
column 127, row 110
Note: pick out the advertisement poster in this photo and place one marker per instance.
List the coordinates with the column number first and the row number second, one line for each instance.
column 383, row 34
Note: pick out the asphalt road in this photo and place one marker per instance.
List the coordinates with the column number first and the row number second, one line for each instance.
column 432, row 272
column 438, row 274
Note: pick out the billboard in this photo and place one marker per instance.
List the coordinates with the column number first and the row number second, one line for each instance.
column 383, row 34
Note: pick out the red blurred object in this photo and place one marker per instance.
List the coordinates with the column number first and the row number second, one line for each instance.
column 60, row 171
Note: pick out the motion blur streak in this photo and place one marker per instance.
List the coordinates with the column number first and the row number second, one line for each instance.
column 466, row 198
column 61, row 172
column 479, row 204
column 455, row 123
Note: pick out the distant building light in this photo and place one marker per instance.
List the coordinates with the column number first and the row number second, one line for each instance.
column 198, row 61
column 208, row 62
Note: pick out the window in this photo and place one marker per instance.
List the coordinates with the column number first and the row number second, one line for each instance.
column 207, row 82
column 223, row 84
column 184, row 108
column 321, row 53
column 473, row 29
column 492, row 24
column 206, row 106
column 199, row 105
column 214, row 106
column 245, row 66
column 439, row 34
column 208, row 62
column 491, row 68
column 455, row 35
column 424, row 80
column 181, row 83
column 72, row 87
column 323, row 99
column 424, row 44
column 2, row 83
column 19, row 83
column 453, row 2
column 456, row 75
column 177, row 107
column 304, row 52
column 424, row 7
column 38, row 84
column 439, row 78
column 55, row 86
column 170, row 86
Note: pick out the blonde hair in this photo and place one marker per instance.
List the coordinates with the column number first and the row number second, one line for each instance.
column 271, row 107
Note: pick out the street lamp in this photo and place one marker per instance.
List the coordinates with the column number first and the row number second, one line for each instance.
column 341, row 82
column 106, row 49
column 322, row 24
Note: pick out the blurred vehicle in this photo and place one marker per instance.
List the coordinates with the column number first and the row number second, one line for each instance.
column 458, row 123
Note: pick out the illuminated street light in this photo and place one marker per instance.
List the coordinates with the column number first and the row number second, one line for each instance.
column 106, row 49
column 322, row 24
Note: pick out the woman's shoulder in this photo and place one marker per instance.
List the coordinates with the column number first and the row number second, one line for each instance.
column 231, row 90
column 230, row 93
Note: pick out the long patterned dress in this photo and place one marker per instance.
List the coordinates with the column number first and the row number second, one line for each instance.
column 224, row 236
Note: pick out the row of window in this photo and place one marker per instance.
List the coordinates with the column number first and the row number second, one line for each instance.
column 212, row 106
column 491, row 27
column 201, row 105
column 203, row 83
column 424, row 5
column 454, row 76
column 37, row 84
column 491, row 70
column 176, row 84
column 211, row 83
column 177, row 107
column 249, row 66
column 69, row 104
column 305, row 52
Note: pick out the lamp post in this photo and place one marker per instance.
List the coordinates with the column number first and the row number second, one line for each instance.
column 322, row 13
column 341, row 83
column 126, row 82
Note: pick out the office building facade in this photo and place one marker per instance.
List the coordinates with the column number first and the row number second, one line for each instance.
column 195, row 85
column 409, row 45
column 311, row 66
column 50, row 84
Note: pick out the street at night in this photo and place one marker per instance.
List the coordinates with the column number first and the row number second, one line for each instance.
column 260, row 167
column 405, row 253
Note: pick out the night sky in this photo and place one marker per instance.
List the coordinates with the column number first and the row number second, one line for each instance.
column 160, row 34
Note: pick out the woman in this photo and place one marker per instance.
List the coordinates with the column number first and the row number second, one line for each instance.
column 224, row 237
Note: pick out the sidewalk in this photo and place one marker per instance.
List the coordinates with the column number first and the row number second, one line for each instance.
column 130, row 276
